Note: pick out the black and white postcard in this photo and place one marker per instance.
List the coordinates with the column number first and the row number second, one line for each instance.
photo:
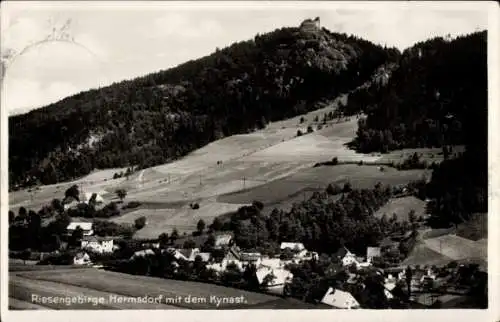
column 254, row 160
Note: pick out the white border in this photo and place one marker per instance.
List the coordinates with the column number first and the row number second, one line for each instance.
column 492, row 314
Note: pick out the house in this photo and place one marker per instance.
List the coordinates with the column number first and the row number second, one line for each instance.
column 388, row 294
column 293, row 246
column 340, row 299
column 70, row 203
column 85, row 226
column 98, row 244
column 273, row 279
column 81, row 258
column 222, row 240
column 205, row 257
column 390, row 282
column 88, row 196
column 142, row 253
column 346, row 257
column 271, row 262
column 251, row 258
column 151, row 245
column 189, row 254
column 372, row 252
column 222, row 266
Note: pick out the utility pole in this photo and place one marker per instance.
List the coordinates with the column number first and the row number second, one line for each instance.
column 244, row 179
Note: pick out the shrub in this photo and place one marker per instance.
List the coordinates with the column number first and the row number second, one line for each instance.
column 133, row 204
column 140, row 222
column 310, row 129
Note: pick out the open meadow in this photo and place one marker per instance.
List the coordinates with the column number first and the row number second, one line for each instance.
column 401, row 207
column 105, row 284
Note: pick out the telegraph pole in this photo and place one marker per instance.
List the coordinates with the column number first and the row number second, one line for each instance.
column 244, row 179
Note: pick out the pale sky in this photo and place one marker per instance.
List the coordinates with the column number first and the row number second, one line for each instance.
column 123, row 40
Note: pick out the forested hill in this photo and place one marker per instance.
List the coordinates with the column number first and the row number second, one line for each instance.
column 436, row 96
column 164, row 115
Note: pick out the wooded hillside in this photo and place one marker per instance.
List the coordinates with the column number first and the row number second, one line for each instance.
column 165, row 115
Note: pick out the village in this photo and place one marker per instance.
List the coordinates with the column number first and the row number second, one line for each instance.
column 416, row 286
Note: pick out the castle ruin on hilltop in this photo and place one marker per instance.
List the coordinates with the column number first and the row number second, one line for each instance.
column 311, row 25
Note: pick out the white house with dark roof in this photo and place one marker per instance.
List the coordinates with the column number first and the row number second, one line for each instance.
column 98, row 244
column 346, row 257
column 275, row 278
column 223, row 240
column 142, row 253
column 293, row 246
column 87, row 228
column 81, row 258
column 340, row 299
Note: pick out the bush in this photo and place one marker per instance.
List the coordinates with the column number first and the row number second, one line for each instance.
column 310, row 129
column 335, row 161
column 133, row 204
column 140, row 222
column 299, row 133
column 195, row 206
column 258, row 204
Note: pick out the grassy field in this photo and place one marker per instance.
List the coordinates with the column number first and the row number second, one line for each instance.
column 439, row 247
column 423, row 255
column 99, row 283
column 401, row 207
column 183, row 218
column 456, row 247
column 318, row 178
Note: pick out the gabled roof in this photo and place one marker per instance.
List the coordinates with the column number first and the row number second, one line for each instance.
column 205, row 257
column 250, row 256
column 96, row 238
column 342, row 252
column 189, row 253
column 281, row 275
column 81, row 255
column 83, row 225
column 339, row 299
column 223, row 239
column 233, row 253
column 144, row 252
column 292, row 246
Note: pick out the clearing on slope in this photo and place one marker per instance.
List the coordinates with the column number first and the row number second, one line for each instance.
column 401, row 207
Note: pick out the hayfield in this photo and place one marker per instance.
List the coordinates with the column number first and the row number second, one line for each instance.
column 184, row 218
column 101, row 283
column 457, row 248
column 425, row 154
column 423, row 255
column 446, row 248
column 21, row 288
column 401, row 207
column 362, row 177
